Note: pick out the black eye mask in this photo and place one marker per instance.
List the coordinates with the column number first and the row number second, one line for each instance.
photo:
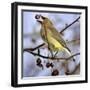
column 43, row 17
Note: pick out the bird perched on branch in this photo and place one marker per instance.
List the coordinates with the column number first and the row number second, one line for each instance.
column 51, row 36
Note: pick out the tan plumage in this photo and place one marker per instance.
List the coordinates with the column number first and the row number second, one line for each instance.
column 51, row 36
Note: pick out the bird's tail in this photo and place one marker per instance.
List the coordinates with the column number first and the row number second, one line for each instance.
column 69, row 52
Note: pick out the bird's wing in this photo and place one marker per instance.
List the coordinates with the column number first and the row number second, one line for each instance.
column 57, row 36
column 42, row 32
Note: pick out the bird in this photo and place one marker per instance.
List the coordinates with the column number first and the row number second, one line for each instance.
column 51, row 36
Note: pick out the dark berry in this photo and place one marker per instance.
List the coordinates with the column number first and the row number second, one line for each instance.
column 40, row 65
column 55, row 72
column 52, row 65
column 38, row 61
column 49, row 65
column 73, row 59
column 37, row 16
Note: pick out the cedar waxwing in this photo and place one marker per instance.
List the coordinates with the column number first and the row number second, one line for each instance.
column 51, row 36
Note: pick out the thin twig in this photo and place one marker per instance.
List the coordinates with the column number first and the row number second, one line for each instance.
column 46, row 57
column 69, row 25
column 72, row 56
column 77, row 40
column 32, row 49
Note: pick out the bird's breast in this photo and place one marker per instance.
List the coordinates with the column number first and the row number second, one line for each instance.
column 53, row 42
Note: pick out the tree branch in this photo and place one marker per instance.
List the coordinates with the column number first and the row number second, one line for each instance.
column 53, row 58
column 69, row 25
column 33, row 49
column 77, row 40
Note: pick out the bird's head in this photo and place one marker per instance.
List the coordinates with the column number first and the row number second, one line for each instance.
column 43, row 20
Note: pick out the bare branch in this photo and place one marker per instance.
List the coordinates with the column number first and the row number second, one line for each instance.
column 32, row 49
column 72, row 56
column 77, row 40
column 69, row 25
column 53, row 58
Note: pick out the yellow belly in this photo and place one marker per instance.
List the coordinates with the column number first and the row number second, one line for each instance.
column 56, row 45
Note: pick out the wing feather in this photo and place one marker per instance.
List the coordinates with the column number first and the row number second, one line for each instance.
column 57, row 36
